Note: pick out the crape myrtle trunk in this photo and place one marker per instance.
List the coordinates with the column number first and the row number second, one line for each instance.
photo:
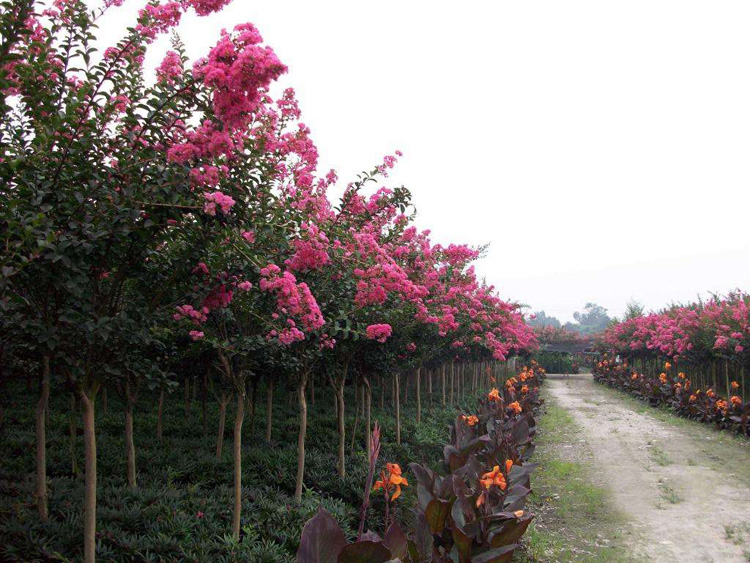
column 130, row 397
column 237, row 450
column 89, row 441
column 301, row 387
column 41, row 441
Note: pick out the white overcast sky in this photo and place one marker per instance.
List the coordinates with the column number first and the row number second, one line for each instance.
column 601, row 148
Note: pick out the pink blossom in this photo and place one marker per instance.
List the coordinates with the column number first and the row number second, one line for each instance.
column 201, row 268
column 238, row 70
column 170, row 68
column 224, row 202
column 379, row 332
column 196, row 335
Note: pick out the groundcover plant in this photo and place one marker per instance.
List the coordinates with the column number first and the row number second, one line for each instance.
column 177, row 233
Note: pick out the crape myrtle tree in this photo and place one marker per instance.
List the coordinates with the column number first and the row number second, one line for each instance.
column 96, row 166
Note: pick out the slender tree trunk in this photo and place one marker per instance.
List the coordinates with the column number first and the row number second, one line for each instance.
column 342, row 429
column 41, row 442
column 237, row 449
column 418, row 377
column 302, row 435
column 368, row 403
column 129, row 442
column 159, row 417
column 72, row 433
column 222, row 421
column 442, row 377
column 398, row 409
column 89, row 440
column 269, row 410
column 453, row 381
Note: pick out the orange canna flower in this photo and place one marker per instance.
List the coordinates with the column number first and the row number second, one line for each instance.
column 469, row 420
column 678, row 386
column 736, row 401
column 667, row 365
column 494, row 396
column 515, row 407
column 663, row 377
column 511, row 382
column 711, row 393
column 693, row 398
column 391, row 479
column 508, row 465
column 681, row 375
column 721, row 404
column 494, row 477
column 634, row 376
column 525, row 389
column 735, row 385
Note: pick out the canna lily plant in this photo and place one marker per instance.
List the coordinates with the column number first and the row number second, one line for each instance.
column 475, row 513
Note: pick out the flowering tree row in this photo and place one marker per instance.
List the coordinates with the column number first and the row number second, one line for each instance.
column 711, row 337
column 181, row 226
column 717, row 328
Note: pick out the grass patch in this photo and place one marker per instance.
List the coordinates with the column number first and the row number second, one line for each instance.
column 659, row 456
column 668, row 495
column 576, row 521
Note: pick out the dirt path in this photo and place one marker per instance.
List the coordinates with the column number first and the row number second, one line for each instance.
column 686, row 490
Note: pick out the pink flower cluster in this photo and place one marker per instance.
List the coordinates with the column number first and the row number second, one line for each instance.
column 294, row 302
column 310, row 251
column 170, row 68
column 379, row 332
column 195, row 316
column 238, row 70
column 217, row 199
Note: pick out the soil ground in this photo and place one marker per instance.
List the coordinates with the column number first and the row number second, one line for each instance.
column 683, row 488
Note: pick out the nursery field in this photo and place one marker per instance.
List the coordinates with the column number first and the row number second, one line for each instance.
column 182, row 508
